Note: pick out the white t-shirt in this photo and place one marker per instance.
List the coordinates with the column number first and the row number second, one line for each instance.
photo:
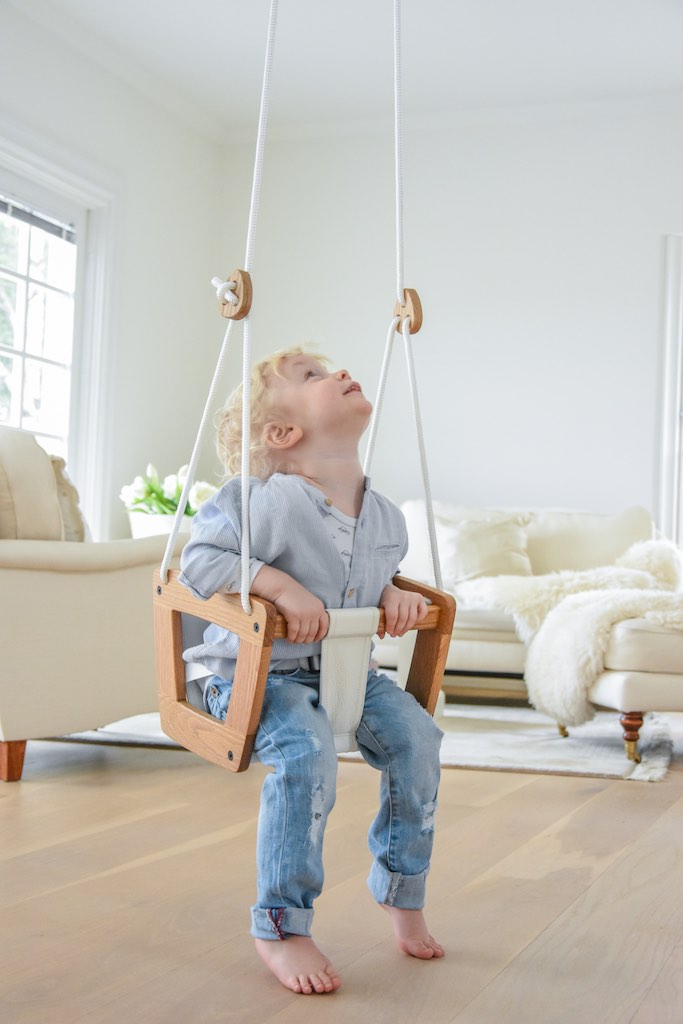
column 342, row 530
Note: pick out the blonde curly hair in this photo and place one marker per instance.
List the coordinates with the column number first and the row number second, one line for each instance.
column 229, row 420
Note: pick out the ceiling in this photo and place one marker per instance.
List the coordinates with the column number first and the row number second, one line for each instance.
column 333, row 60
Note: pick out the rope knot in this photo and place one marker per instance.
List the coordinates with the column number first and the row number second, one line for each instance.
column 225, row 290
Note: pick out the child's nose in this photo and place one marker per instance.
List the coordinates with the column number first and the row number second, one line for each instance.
column 342, row 374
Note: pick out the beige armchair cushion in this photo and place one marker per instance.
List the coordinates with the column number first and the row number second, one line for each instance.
column 37, row 499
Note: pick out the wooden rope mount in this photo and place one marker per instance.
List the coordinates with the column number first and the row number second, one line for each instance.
column 410, row 308
column 243, row 294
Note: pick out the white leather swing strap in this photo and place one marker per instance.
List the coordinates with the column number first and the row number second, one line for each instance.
column 344, row 671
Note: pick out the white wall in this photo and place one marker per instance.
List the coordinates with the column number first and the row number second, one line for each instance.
column 164, row 178
column 536, row 246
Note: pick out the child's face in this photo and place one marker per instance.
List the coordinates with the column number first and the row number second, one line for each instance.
column 305, row 393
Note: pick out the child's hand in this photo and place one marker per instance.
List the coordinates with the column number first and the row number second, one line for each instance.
column 403, row 609
column 307, row 620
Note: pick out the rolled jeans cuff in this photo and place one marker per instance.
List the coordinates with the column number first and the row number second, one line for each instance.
column 396, row 890
column 279, row 922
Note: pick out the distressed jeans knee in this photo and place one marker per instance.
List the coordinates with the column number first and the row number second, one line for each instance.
column 402, row 741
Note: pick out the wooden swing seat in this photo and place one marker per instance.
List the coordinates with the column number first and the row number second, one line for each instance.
column 229, row 744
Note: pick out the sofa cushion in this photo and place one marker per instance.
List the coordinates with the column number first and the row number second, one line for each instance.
column 480, row 653
column 494, row 621
column 638, row 645
column 638, row 691
column 581, row 540
column 471, row 542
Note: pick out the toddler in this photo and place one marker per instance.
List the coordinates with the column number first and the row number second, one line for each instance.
column 320, row 538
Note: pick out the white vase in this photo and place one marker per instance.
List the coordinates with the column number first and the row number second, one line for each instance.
column 143, row 524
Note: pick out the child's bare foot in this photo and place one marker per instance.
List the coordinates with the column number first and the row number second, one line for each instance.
column 298, row 964
column 412, row 936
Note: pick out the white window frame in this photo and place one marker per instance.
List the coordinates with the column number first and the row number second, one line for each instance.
column 670, row 511
column 54, row 188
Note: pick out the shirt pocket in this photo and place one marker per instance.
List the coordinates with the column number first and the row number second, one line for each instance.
column 386, row 557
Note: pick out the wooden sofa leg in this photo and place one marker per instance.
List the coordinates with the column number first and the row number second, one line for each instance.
column 631, row 721
column 12, row 759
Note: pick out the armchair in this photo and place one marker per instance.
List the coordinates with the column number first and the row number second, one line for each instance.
column 77, row 624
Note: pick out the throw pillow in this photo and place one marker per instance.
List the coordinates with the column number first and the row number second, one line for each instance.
column 471, row 542
column 494, row 547
column 562, row 539
column 74, row 524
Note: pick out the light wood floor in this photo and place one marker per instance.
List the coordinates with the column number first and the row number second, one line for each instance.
column 127, row 875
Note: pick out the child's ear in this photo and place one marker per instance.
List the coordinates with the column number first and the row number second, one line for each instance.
column 280, row 436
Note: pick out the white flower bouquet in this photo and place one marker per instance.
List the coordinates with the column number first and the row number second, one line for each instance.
column 151, row 495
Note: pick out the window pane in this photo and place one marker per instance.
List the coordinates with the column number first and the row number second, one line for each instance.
column 49, row 326
column 52, row 260
column 10, row 390
column 12, row 302
column 46, row 398
column 13, row 243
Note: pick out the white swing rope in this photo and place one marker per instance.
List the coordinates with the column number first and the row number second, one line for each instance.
column 223, row 290
column 246, row 344
column 405, row 326
column 398, row 148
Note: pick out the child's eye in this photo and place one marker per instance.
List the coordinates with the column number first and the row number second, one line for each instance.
column 310, row 373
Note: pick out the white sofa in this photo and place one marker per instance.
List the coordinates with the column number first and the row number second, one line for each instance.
column 643, row 661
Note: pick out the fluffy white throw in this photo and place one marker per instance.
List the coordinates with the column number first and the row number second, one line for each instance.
column 566, row 619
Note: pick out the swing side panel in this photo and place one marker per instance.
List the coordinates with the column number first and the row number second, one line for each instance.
column 228, row 744
column 434, row 635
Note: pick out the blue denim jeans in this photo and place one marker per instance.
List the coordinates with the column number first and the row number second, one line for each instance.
column 396, row 736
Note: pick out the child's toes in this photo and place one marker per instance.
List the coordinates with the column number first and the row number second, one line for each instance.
column 325, row 982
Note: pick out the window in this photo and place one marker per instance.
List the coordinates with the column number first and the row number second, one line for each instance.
column 56, row 254
column 37, row 293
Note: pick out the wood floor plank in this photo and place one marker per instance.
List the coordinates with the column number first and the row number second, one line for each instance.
column 610, row 943
column 663, row 1004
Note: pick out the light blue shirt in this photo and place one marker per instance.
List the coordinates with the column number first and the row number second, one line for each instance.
column 288, row 531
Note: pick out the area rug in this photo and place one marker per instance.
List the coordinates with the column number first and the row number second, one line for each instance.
column 523, row 740
column 512, row 739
